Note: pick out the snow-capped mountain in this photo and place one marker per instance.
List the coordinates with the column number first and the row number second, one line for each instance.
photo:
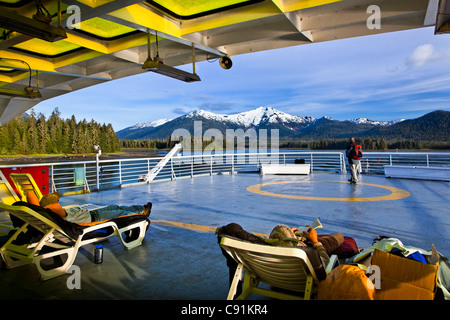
column 252, row 118
column 259, row 118
column 152, row 124
column 374, row 122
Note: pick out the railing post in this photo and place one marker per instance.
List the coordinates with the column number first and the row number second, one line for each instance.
column 53, row 180
column 98, row 173
column 86, row 184
column 120, row 172
column 232, row 163
column 343, row 168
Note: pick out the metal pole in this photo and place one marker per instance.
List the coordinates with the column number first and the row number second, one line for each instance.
column 99, row 152
column 98, row 172
column 120, row 172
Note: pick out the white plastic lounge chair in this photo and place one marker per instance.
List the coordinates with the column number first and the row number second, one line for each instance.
column 60, row 238
column 7, row 193
column 7, row 196
column 24, row 183
column 286, row 268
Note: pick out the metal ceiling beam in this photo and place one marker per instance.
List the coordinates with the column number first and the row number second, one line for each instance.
column 294, row 18
column 443, row 17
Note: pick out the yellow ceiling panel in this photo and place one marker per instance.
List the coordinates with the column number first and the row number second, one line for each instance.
column 292, row 5
column 75, row 58
column 186, row 8
column 86, row 43
column 4, row 80
column 129, row 42
column 16, row 76
column 111, row 46
column 94, row 3
column 35, row 63
column 141, row 16
column 231, row 17
column 11, row 1
column 104, row 29
column 46, row 48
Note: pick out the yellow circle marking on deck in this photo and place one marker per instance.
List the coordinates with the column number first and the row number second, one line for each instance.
column 395, row 192
column 191, row 226
column 184, row 225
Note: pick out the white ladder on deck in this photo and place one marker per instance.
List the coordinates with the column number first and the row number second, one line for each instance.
column 154, row 172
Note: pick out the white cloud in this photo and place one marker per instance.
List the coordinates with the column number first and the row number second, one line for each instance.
column 421, row 55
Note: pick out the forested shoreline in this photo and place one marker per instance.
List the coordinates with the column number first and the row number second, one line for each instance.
column 34, row 134
column 368, row 144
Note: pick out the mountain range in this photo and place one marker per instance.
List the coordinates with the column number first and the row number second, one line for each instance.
column 432, row 126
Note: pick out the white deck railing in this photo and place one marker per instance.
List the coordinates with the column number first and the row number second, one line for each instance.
column 106, row 174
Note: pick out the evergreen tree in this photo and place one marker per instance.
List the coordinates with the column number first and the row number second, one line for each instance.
column 55, row 124
column 4, row 140
column 42, row 129
column 32, row 133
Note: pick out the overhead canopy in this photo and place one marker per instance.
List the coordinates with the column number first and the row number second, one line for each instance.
column 88, row 42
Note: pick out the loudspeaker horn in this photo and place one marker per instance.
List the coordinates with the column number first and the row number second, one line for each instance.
column 225, row 62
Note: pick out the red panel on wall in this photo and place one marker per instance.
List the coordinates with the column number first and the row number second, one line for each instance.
column 39, row 174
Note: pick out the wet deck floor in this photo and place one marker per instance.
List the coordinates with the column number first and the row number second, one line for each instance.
column 183, row 261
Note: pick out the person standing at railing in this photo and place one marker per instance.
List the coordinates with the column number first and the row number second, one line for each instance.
column 353, row 157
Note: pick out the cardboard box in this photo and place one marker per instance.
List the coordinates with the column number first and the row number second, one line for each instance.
column 404, row 279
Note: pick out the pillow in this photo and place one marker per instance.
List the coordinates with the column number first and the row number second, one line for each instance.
column 56, row 208
column 348, row 249
column 32, row 198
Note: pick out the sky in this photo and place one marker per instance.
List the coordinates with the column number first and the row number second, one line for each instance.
column 390, row 76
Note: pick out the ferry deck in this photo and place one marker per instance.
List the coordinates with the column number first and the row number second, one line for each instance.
column 180, row 258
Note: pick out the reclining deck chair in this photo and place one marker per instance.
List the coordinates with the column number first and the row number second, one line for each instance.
column 59, row 238
column 286, row 268
column 7, row 196
column 7, row 193
column 24, row 182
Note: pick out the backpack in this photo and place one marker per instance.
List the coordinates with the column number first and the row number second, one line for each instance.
column 358, row 152
column 346, row 282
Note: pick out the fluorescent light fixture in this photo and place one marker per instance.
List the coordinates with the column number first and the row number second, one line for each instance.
column 31, row 27
column 155, row 65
